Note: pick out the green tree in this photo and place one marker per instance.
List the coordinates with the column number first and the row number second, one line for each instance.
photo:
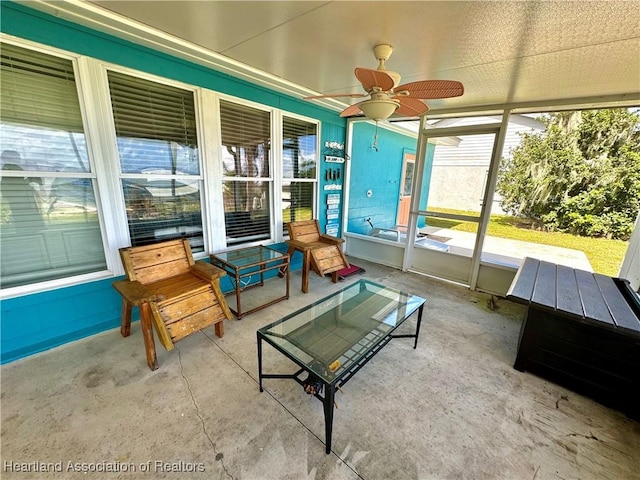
column 581, row 175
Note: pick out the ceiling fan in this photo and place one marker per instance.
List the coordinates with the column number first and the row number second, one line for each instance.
column 386, row 97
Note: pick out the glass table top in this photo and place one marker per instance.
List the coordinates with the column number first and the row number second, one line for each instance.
column 332, row 334
column 249, row 256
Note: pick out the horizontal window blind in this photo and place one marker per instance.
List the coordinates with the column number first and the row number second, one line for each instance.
column 299, row 148
column 158, row 146
column 151, row 110
column 164, row 209
column 38, row 89
column 49, row 225
column 246, row 140
column 299, row 161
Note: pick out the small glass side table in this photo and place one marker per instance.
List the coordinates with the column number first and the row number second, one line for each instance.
column 250, row 262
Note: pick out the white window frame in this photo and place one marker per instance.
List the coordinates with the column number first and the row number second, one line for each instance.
column 80, row 67
column 122, row 237
column 102, row 150
column 280, row 235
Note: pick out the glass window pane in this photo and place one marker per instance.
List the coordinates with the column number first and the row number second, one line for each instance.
column 45, row 149
column 246, row 211
column 146, row 109
column 297, row 201
column 150, row 156
column 299, row 160
column 49, row 225
column 156, row 130
column 164, row 209
column 38, row 89
column 50, row 229
column 246, row 141
column 299, row 155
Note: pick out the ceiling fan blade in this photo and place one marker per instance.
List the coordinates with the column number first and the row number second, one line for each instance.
column 336, row 95
column 431, row 89
column 374, row 78
column 410, row 107
column 351, row 110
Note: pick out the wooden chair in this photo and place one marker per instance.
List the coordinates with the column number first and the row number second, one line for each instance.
column 321, row 252
column 174, row 293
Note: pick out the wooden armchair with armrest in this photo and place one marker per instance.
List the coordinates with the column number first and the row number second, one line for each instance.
column 173, row 293
column 322, row 253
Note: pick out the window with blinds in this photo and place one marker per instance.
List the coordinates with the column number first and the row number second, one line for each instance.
column 49, row 225
column 299, row 162
column 247, row 181
column 160, row 168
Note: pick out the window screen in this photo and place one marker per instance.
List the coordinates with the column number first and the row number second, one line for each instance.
column 158, row 150
column 49, row 226
column 246, row 154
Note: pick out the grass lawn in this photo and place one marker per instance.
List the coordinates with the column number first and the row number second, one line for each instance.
column 604, row 255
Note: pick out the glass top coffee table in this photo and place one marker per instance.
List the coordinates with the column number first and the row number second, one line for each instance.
column 333, row 338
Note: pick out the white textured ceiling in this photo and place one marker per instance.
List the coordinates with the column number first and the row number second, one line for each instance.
column 505, row 53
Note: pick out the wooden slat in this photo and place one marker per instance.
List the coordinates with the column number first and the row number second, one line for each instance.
column 163, row 270
column 328, row 259
column 544, row 291
column 568, row 296
column 593, row 304
column 161, row 260
column 623, row 316
column 195, row 322
column 522, row 285
column 176, row 286
column 177, row 308
column 162, row 253
column 306, row 231
column 161, row 328
column 329, row 263
column 326, row 252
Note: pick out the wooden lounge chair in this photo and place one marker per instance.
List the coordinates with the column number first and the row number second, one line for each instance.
column 174, row 293
column 321, row 252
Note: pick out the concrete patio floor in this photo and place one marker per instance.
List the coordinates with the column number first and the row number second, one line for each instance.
column 453, row 408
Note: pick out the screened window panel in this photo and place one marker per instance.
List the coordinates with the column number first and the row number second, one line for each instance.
column 246, row 140
column 49, row 225
column 158, row 150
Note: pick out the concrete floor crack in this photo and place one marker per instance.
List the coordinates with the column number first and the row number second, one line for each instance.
column 219, row 456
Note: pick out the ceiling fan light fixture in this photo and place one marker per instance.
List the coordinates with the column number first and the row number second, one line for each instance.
column 378, row 109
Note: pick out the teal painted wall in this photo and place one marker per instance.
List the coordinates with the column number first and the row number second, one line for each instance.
column 37, row 322
column 379, row 171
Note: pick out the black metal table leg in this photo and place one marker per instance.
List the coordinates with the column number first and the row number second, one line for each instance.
column 259, row 361
column 418, row 326
column 329, row 395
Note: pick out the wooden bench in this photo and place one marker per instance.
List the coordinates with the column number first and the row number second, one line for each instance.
column 581, row 329
column 173, row 292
